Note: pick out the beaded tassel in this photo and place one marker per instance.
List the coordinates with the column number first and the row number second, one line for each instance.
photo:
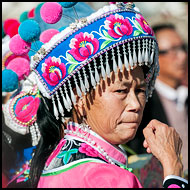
column 77, row 87
column 85, row 80
column 37, row 131
column 143, row 51
column 125, row 58
column 134, row 55
column 81, row 83
column 68, row 98
column 64, row 100
column 139, row 53
column 33, row 135
column 149, row 51
column 146, row 53
column 60, row 108
column 130, row 56
column 119, row 60
column 56, row 114
column 107, row 66
column 96, row 73
column 114, row 61
column 93, row 82
column 152, row 54
column 102, row 68
column 73, row 98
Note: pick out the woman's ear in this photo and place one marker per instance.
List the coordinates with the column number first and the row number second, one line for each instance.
column 79, row 106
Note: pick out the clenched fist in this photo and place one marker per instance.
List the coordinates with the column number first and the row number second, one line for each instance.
column 165, row 144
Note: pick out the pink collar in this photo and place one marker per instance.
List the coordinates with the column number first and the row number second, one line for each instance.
column 116, row 154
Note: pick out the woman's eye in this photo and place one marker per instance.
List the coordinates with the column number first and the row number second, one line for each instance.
column 140, row 90
column 121, row 91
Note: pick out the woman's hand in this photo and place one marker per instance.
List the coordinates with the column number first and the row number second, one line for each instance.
column 165, row 144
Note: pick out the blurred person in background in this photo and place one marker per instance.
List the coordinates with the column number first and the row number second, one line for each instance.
column 169, row 100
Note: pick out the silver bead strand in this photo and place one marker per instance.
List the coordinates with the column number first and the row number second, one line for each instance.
column 114, row 61
column 93, row 82
column 107, row 65
column 73, row 98
column 119, row 59
column 60, row 108
column 97, row 77
column 55, row 111
column 67, row 98
column 77, row 87
column 146, row 53
column 130, row 57
column 139, row 53
column 134, row 54
column 85, row 80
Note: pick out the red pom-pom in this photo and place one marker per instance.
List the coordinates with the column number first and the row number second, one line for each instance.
column 8, row 23
column 51, row 12
column 20, row 66
column 18, row 46
column 13, row 29
column 47, row 35
column 31, row 13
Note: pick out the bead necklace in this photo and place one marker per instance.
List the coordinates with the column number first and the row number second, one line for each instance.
column 86, row 129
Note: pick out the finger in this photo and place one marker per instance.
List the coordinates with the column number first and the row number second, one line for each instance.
column 145, row 144
column 148, row 150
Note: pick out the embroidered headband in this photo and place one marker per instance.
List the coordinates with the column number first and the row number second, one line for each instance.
column 91, row 48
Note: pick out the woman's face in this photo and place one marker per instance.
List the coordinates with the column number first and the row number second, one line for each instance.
column 114, row 109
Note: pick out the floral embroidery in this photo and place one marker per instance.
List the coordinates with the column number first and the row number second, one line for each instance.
column 117, row 26
column 88, row 150
column 26, row 108
column 67, row 154
column 143, row 24
column 53, row 70
column 83, row 45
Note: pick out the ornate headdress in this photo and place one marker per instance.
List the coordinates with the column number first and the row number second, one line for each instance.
column 91, row 48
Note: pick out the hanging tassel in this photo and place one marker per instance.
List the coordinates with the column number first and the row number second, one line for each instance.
column 68, row 98
column 85, row 80
column 143, row 51
column 81, row 83
column 96, row 73
column 107, row 66
column 134, row 54
column 114, row 61
column 77, row 87
column 93, row 82
column 64, row 100
column 73, row 98
column 152, row 54
column 33, row 135
column 130, row 57
column 125, row 58
column 146, row 53
column 60, row 108
column 103, row 72
column 119, row 60
column 37, row 132
column 55, row 111
column 139, row 53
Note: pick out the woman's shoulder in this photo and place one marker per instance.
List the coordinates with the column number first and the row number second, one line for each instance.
column 68, row 151
column 88, row 173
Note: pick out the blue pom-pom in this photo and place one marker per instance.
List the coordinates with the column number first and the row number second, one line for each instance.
column 29, row 30
column 9, row 80
column 67, row 4
column 33, row 46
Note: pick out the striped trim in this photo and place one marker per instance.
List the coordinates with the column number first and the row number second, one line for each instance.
column 69, row 166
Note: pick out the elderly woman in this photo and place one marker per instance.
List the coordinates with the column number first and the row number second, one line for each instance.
column 95, row 78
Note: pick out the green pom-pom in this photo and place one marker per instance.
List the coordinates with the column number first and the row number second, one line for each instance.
column 23, row 16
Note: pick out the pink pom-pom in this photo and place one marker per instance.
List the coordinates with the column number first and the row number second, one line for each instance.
column 47, row 35
column 12, row 56
column 20, row 66
column 51, row 12
column 18, row 46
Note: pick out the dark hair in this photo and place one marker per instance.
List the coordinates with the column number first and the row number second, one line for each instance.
column 51, row 131
column 158, row 27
